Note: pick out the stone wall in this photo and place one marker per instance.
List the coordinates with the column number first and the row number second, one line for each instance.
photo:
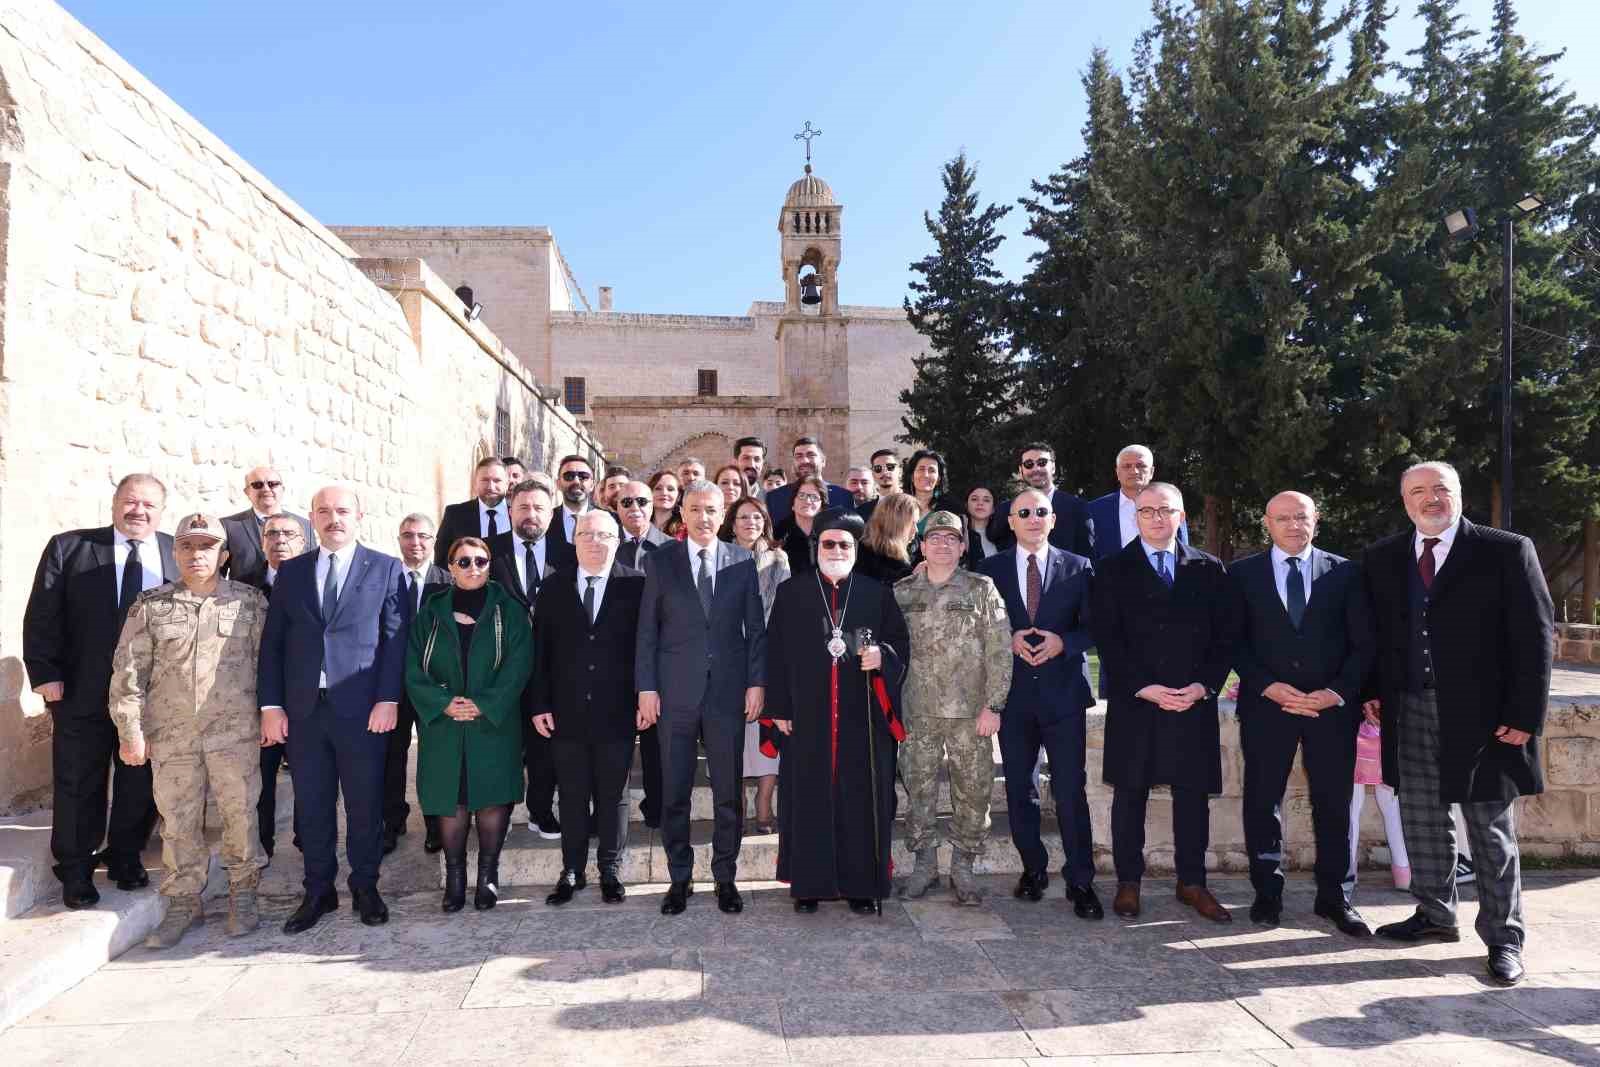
column 163, row 307
column 1577, row 644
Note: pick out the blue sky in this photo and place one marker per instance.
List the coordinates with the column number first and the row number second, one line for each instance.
column 655, row 139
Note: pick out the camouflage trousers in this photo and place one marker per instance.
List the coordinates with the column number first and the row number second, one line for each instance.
column 181, row 779
column 971, row 760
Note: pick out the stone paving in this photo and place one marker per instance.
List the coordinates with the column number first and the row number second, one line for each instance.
column 928, row 982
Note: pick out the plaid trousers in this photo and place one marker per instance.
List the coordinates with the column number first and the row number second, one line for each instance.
column 1431, row 835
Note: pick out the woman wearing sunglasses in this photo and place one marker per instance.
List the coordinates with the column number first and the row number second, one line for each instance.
column 470, row 656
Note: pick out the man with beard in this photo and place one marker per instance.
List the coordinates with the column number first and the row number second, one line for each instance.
column 485, row 516
column 611, row 487
column 574, row 480
column 808, row 460
column 750, row 456
column 838, row 653
column 859, row 481
column 1036, row 468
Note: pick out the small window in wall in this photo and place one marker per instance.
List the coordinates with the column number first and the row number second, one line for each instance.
column 574, row 394
column 708, row 383
column 502, row 430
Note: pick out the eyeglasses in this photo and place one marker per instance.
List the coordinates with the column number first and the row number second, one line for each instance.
column 884, row 468
column 1029, row 513
column 943, row 537
column 634, row 501
column 809, row 498
column 1029, row 464
column 834, row 545
column 283, row 535
column 468, row 563
column 1157, row 513
column 576, row 476
column 601, row 536
column 265, row 485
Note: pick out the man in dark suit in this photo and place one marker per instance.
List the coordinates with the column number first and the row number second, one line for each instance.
column 574, row 484
column 639, row 536
column 83, row 587
column 586, row 625
column 1046, row 591
column 1113, row 525
column 808, row 460
column 485, row 515
column 1303, row 656
column 284, row 540
column 330, row 679
column 247, row 559
column 416, row 556
column 1165, row 618
column 522, row 559
column 1466, row 637
column 701, row 660
column 1036, row 466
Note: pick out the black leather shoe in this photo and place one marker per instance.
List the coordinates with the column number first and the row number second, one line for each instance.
column 430, row 838
column 310, row 910
column 1031, row 886
column 370, row 906
column 568, row 884
column 1346, row 918
column 79, row 894
column 805, row 906
column 677, row 898
column 1505, row 964
column 611, row 889
column 1419, row 928
column 728, row 899
column 862, row 906
column 455, row 887
column 487, row 894
column 391, row 841
column 128, row 876
column 1085, row 904
column 1265, row 910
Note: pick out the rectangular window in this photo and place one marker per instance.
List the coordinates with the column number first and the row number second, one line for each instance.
column 708, row 383
column 502, row 430
column 574, row 395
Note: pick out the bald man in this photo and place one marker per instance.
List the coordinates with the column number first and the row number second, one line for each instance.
column 1302, row 657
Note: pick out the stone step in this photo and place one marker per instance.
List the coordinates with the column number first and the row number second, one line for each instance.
column 25, row 862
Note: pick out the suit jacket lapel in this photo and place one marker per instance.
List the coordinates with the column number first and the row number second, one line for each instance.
column 1456, row 562
column 358, row 571
column 103, row 545
column 1054, row 562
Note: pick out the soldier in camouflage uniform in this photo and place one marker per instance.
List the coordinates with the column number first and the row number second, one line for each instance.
column 961, row 675
column 183, row 695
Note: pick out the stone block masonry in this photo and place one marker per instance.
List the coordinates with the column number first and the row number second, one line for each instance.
column 164, row 307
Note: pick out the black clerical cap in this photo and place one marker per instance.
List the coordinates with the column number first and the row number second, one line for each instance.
column 841, row 519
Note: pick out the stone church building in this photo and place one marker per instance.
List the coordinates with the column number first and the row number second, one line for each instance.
column 654, row 388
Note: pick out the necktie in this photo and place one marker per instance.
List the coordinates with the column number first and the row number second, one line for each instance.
column 413, row 583
column 588, row 598
column 261, row 525
column 1035, row 587
column 1295, row 590
column 531, row 567
column 1161, row 569
column 1426, row 564
column 703, row 582
column 492, row 528
column 132, row 577
column 330, row 589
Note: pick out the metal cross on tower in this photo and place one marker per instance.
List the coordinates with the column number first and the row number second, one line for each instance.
column 806, row 135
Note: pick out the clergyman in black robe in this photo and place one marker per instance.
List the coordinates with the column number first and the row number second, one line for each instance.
column 838, row 724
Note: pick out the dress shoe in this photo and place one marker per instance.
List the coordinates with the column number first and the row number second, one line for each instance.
column 487, row 893
column 455, row 886
column 805, row 906
column 1126, row 902
column 310, row 910
column 547, row 827
column 79, row 894
column 1200, row 899
column 128, row 876
column 611, row 889
column 1343, row 916
column 1031, row 886
column 677, row 898
column 1085, row 904
column 567, row 885
column 729, row 902
column 1266, row 910
column 1419, row 928
column 391, row 841
column 863, row 906
column 370, row 906
column 1505, row 964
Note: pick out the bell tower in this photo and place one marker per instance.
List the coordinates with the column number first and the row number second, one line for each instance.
column 813, row 339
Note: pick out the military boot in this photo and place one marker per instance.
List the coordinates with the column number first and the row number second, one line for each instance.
column 964, row 881
column 242, row 914
column 924, row 874
column 182, row 913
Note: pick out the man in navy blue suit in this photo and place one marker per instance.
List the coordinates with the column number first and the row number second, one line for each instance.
column 1113, row 522
column 808, row 460
column 330, row 679
column 1046, row 591
column 1036, row 467
column 1303, row 656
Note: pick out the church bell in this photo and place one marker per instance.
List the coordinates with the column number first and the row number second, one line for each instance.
column 809, row 294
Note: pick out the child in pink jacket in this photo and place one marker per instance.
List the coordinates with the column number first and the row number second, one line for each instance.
column 1369, row 771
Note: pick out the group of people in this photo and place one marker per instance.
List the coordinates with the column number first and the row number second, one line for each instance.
column 825, row 640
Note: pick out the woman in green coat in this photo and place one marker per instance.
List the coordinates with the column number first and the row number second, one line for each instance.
column 471, row 654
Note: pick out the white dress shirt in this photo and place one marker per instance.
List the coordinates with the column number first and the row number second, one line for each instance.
column 520, row 555
column 1280, row 572
column 569, row 519
column 1127, row 518
column 149, row 560
column 420, row 574
column 1446, row 538
column 1043, row 555
column 272, row 575
column 599, row 589
column 502, row 520
column 694, row 561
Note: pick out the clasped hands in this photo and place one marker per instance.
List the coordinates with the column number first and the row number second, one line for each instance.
column 1168, row 699
column 1292, row 700
column 1035, row 654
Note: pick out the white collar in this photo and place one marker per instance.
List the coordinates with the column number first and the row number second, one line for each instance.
column 583, row 573
column 1446, row 536
column 343, row 554
column 484, row 509
column 1041, row 553
column 1150, row 550
column 121, row 539
column 1279, row 555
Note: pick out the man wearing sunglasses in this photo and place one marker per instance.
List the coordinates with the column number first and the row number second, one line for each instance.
column 574, row 483
column 639, row 535
column 247, row 559
column 884, row 466
column 1036, row 467
column 486, row 515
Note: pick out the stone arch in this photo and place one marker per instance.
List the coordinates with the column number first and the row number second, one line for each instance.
column 713, row 446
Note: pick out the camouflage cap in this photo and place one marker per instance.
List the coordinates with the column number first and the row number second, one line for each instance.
column 199, row 524
column 943, row 520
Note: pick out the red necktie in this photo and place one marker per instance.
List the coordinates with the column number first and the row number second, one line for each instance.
column 1035, row 587
column 1425, row 564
